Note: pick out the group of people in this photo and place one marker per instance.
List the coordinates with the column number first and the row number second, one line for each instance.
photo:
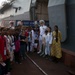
column 16, row 41
column 50, row 42
column 13, row 43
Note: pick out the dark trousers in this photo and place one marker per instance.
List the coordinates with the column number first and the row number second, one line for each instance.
column 2, row 70
column 23, row 51
column 37, row 42
column 29, row 43
column 8, row 65
column 17, row 56
column 5, row 69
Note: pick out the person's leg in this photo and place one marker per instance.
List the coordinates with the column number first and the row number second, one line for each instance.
column 24, row 51
column 21, row 49
column 48, row 51
column 29, row 46
column 45, row 50
column 42, row 51
column 40, row 45
column 7, row 68
column 18, row 57
column 3, row 70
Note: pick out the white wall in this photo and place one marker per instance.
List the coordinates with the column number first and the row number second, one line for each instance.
column 25, row 7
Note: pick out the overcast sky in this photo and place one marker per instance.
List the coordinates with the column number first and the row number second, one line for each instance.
column 2, row 1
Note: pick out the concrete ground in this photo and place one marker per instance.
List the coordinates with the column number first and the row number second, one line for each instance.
column 28, row 68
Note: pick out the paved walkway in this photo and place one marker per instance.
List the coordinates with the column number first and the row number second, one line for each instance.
column 28, row 68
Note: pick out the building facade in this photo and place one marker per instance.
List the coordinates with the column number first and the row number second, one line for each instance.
column 24, row 10
column 17, row 10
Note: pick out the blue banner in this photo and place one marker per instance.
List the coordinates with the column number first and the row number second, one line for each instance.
column 31, row 23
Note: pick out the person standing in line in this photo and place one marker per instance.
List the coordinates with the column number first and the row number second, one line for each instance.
column 26, row 35
column 48, row 42
column 29, row 39
column 44, row 44
column 8, row 48
column 2, row 66
column 4, row 51
column 11, row 48
column 36, row 31
column 17, row 47
column 42, row 29
column 23, row 41
column 56, row 52
column 32, row 39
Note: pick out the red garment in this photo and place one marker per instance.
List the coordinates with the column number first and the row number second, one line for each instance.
column 17, row 45
column 26, row 34
column 2, row 45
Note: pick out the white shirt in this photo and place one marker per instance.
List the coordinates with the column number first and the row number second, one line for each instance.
column 50, row 37
column 7, row 42
column 42, row 29
column 32, row 33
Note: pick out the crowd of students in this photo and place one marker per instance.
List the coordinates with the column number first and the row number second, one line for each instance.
column 16, row 41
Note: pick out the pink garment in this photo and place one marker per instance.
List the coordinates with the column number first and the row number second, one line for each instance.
column 17, row 45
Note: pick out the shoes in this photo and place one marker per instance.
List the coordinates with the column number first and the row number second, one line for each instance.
column 18, row 63
column 39, row 52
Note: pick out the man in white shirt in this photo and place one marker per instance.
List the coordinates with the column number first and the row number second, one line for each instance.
column 42, row 29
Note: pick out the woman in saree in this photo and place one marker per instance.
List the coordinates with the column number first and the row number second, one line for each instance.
column 56, row 52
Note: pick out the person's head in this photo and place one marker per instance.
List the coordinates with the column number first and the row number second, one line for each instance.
column 3, row 31
column 20, row 23
column 11, row 23
column 41, row 22
column 23, row 32
column 49, row 29
column 16, row 32
column 56, row 28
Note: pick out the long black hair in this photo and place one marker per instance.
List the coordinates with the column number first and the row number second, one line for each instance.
column 56, row 32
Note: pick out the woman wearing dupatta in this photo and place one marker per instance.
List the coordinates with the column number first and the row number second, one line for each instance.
column 56, row 44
